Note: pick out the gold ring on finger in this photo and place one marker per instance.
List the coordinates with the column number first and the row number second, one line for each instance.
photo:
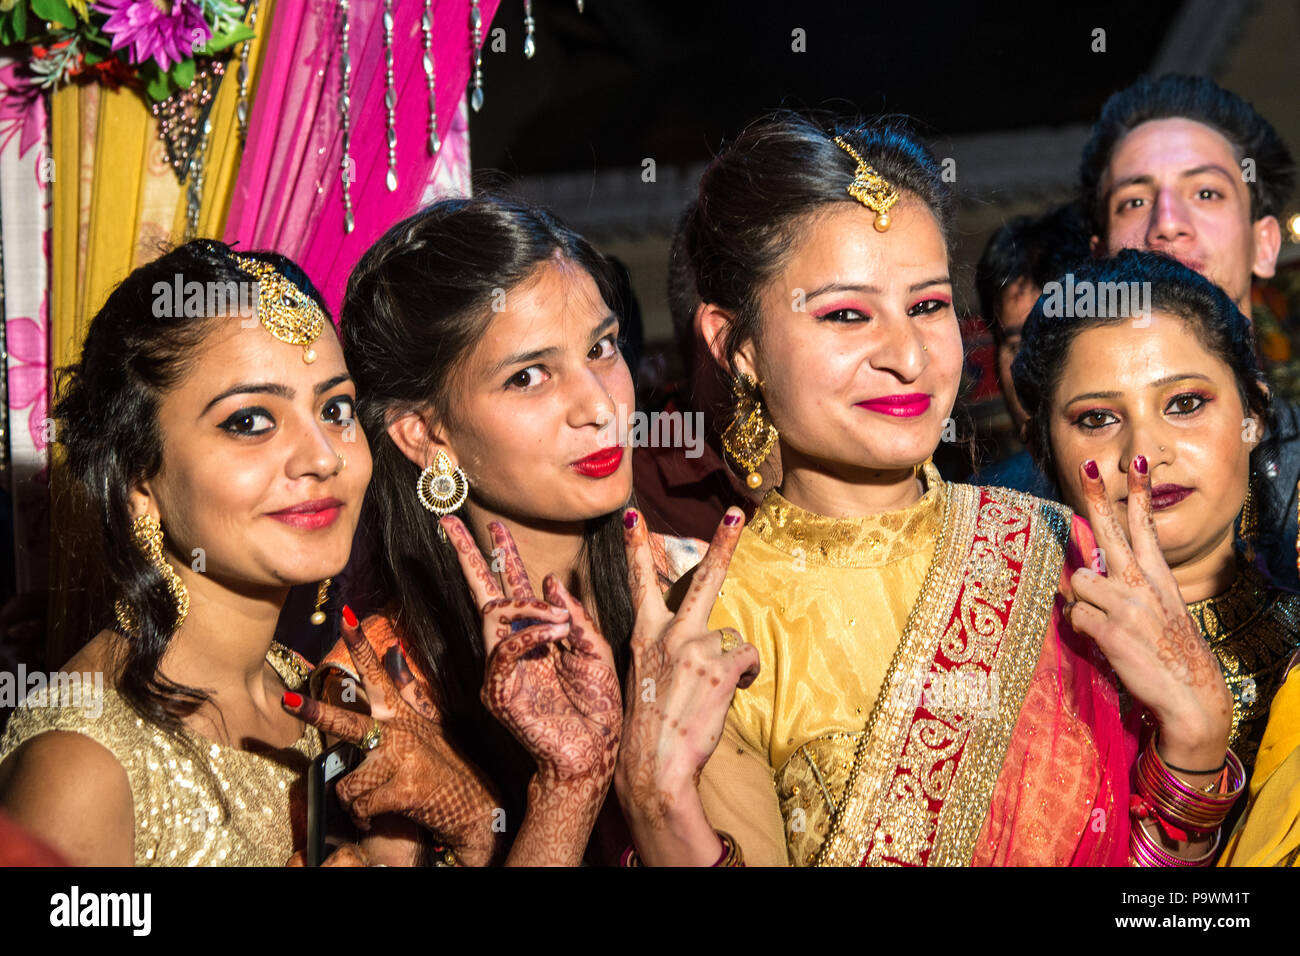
column 730, row 640
column 371, row 740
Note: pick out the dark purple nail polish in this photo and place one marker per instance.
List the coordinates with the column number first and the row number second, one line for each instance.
column 1090, row 469
column 730, row 519
column 629, row 520
column 1140, row 463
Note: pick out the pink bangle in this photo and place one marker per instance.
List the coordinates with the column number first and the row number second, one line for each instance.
column 1144, row 851
column 731, row 855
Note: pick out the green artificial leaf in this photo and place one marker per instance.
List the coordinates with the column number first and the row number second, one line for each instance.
column 20, row 19
column 91, row 58
column 157, row 84
column 222, row 41
column 54, row 10
column 182, row 74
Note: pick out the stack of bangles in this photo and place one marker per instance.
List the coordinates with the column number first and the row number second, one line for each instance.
column 731, row 855
column 1183, row 812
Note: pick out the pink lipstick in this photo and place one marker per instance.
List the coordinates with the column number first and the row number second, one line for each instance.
column 907, row 405
column 310, row 515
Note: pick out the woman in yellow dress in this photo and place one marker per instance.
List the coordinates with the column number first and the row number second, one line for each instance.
column 210, row 423
column 931, row 691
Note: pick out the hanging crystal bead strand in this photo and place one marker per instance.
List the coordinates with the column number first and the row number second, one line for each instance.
column 390, row 97
column 530, row 45
column 426, row 25
column 345, row 109
column 241, row 107
column 476, row 24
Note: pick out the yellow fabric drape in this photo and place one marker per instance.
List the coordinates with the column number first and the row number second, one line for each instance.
column 1269, row 833
column 116, row 205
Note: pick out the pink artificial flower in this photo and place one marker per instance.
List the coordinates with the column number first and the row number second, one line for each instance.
column 27, row 384
column 167, row 31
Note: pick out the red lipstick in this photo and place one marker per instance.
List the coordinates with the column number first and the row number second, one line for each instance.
column 600, row 465
column 907, row 405
column 310, row 515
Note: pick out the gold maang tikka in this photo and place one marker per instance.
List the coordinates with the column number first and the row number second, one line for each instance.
column 286, row 311
column 869, row 187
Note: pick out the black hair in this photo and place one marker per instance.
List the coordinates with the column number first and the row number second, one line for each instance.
column 1197, row 98
column 416, row 305
column 1176, row 290
column 1036, row 248
column 107, row 412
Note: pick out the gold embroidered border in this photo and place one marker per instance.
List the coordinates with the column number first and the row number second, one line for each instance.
column 962, row 816
column 874, row 792
column 887, row 726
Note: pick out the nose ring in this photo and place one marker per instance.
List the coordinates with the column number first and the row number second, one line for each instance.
column 343, row 462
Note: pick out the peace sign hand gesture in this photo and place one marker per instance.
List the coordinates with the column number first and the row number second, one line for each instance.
column 410, row 768
column 550, row 675
column 1137, row 616
column 680, row 686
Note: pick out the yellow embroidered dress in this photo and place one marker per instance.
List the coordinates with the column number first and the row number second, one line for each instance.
column 231, row 808
column 918, row 703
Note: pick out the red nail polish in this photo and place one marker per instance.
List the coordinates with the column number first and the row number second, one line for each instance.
column 629, row 520
column 1140, row 463
column 349, row 616
column 1090, row 469
column 292, row 700
column 730, row 519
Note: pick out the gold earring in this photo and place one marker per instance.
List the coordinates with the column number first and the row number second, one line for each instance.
column 148, row 536
column 441, row 488
column 1248, row 526
column 750, row 437
column 322, row 593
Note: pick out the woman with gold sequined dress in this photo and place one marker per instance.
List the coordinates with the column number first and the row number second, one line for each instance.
column 1180, row 383
column 212, row 434
column 933, row 689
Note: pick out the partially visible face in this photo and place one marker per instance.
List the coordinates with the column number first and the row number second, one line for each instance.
column 251, row 469
column 1015, row 303
column 1176, row 186
column 859, row 353
column 1156, row 391
column 540, row 402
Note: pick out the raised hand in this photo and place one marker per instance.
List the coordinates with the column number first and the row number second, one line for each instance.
column 1137, row 616
column 679, row 689
column 413, row 771
column 550, row 675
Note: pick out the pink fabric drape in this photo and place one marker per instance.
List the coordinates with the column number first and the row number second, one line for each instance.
column 1062, row 797
column 289, row 196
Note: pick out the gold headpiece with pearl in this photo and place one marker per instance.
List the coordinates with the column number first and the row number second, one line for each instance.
column 286, row 311
column 870, row 188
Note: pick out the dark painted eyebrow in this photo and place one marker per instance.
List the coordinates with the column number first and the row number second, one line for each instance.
column 527, row 358
column 1158, row 383
column 874, row 290
column 272, row 388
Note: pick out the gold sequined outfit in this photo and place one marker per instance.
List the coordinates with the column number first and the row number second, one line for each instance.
column 236, row 808
column 1253, row 629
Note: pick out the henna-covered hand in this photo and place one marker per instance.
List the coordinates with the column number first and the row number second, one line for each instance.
column 550, row 680
column 1137, row 616
column 550, row 674
column 678, row 692
column 414, row 772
